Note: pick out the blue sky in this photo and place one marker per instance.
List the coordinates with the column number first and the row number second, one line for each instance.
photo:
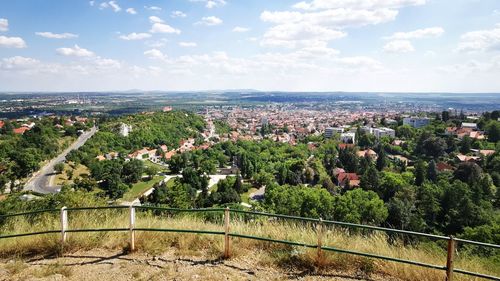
column 309, row 45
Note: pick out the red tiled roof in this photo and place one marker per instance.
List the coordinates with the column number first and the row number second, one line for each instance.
column 20, row 130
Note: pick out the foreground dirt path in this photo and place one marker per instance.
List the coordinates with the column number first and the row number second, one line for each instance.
column 107, row 265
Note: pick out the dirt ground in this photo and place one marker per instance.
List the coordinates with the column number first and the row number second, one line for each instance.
column 108, row 265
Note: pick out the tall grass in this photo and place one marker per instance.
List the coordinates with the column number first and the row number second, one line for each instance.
column 211, row 246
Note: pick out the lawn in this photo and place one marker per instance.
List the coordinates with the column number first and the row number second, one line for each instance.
column 139, row 188
column 78, row 170
column 245, row 197
column 161, row 168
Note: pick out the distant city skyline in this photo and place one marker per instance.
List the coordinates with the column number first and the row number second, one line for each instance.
column 308, row 45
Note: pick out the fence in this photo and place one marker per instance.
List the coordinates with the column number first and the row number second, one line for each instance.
column 320, row 224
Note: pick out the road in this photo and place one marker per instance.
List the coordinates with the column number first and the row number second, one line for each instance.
column 40, row 181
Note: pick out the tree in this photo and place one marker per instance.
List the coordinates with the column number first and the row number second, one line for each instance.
column 349, row 160
column 419, row 173
column 370, row 179
column 468, row 172
column 465, row 144
column 445, row 115
column 493, row 130
column 432, row 172
column 381, row 160
column 69, row 173
column 59, row 168
column 359, row 206
column 176, row 196
column 84, row 183
column 403, row 212
column 132, row 171
column 152, row 170
column 434, row 147
column 238, row 185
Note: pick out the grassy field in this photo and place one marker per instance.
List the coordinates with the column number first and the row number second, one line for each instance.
column 139, row 188
column 245, row 197
column 78, row 170
column 161, row 168
column 272, row 254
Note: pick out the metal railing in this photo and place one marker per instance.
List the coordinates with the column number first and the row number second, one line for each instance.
column 320, row 225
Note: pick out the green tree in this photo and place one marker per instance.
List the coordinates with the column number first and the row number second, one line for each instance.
column 359, row 206
column 432, row 172
column 370, row 179
column 419, row 173
column 59, row 168
column 152, row 170
column 381, row 160
column 493, row 130
column 132, row 171
column 465, row 145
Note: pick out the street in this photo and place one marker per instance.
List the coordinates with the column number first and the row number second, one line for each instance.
column 40, row 181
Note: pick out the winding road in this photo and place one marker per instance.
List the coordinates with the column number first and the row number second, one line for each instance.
column 40, row 181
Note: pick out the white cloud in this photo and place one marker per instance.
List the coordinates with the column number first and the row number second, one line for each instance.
column 356, row 4
column 110, row 4
column 159, row 26
column 4, row 25
column 294, row 35
column 91, row 3
column 163, row 28
column 187, row 44
column 75, row 51
column 12, row 42
column 153, row 8
column 18, row 63
column 240, row 29
column 135, row 36
column 178, row 14
column 131, row 11
column 430, row 32
column 209, row 21
column 115, row 6
column 157, row 44
column 155, row 19
column 338, row 18
column 480, row 40
column 211, row 3
column 399, row 46
column 51, row 35
column 155, row 54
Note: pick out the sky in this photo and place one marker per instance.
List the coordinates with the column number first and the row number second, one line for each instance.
column 278, row 45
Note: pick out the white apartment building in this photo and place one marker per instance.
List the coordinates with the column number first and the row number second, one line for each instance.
column 382, row 132
column 348, row 137
column 416, row 122
column 330, row 131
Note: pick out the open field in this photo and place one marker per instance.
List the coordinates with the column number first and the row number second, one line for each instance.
column 139, row 188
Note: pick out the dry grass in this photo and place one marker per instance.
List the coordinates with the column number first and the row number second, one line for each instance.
column 211, row 246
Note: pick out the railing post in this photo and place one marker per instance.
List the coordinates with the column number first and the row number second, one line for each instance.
column 319, row 234
column 227, row 250
column 132, row 226
column 449, row 259
column 64, row 227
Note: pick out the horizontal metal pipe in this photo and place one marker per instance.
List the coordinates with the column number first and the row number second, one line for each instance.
column 180, row 230
column 475, row 274
column 97, row 208
column 477, row 243
column 272, row 240
column 384, row 258
column 29, row 234
column 275, row 215
column 30, row 213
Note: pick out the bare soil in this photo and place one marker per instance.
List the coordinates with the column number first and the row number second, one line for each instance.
column 114, row 265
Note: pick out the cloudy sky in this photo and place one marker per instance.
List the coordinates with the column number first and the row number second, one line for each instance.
column 298, row 45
